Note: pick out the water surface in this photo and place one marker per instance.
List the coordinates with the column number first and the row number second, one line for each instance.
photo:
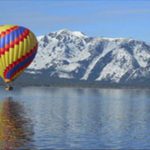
column 74, row 118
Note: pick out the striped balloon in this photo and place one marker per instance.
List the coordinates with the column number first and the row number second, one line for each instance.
column 18, row 47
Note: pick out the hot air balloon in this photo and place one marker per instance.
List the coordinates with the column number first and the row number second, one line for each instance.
column 18, row 47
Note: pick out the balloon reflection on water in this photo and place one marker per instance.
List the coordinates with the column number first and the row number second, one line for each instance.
column 15, row 129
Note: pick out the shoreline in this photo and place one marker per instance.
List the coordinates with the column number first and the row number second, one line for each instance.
column 82, row 86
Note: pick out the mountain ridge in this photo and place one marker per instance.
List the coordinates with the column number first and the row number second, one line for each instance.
column 74, row 55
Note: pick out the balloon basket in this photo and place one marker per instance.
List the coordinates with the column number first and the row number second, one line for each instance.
column 9, row 88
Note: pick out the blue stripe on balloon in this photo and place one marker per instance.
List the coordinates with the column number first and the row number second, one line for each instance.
column 11, row 36
column 20, row 65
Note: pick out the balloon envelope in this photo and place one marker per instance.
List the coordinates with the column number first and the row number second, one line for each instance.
column 18, row 47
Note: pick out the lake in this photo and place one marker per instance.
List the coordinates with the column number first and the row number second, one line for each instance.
column 74, row 118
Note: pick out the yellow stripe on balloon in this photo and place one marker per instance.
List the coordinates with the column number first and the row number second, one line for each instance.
column 1, row 72
column 15, row 49
column 1, row 67
column 29, row 43
column 6, row 58
column 5, row 27
column 11, row 54
column 32, row 39
column 21, row 46
column 3, row 61
column 25, row 47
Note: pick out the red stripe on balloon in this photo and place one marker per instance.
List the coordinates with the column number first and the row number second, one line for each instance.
column 4, row 33
column 34, row 49
column 15, row 42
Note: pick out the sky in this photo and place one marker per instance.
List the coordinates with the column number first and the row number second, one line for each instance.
column 96, row 18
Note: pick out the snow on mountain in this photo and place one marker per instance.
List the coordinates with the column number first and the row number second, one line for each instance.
column 74, row 55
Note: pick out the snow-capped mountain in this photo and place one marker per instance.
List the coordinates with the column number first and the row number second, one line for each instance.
column 74, row 55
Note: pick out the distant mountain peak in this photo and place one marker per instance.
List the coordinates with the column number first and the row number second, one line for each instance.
column 69, row 32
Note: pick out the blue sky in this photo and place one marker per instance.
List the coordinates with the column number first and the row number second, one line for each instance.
column 103, row 18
